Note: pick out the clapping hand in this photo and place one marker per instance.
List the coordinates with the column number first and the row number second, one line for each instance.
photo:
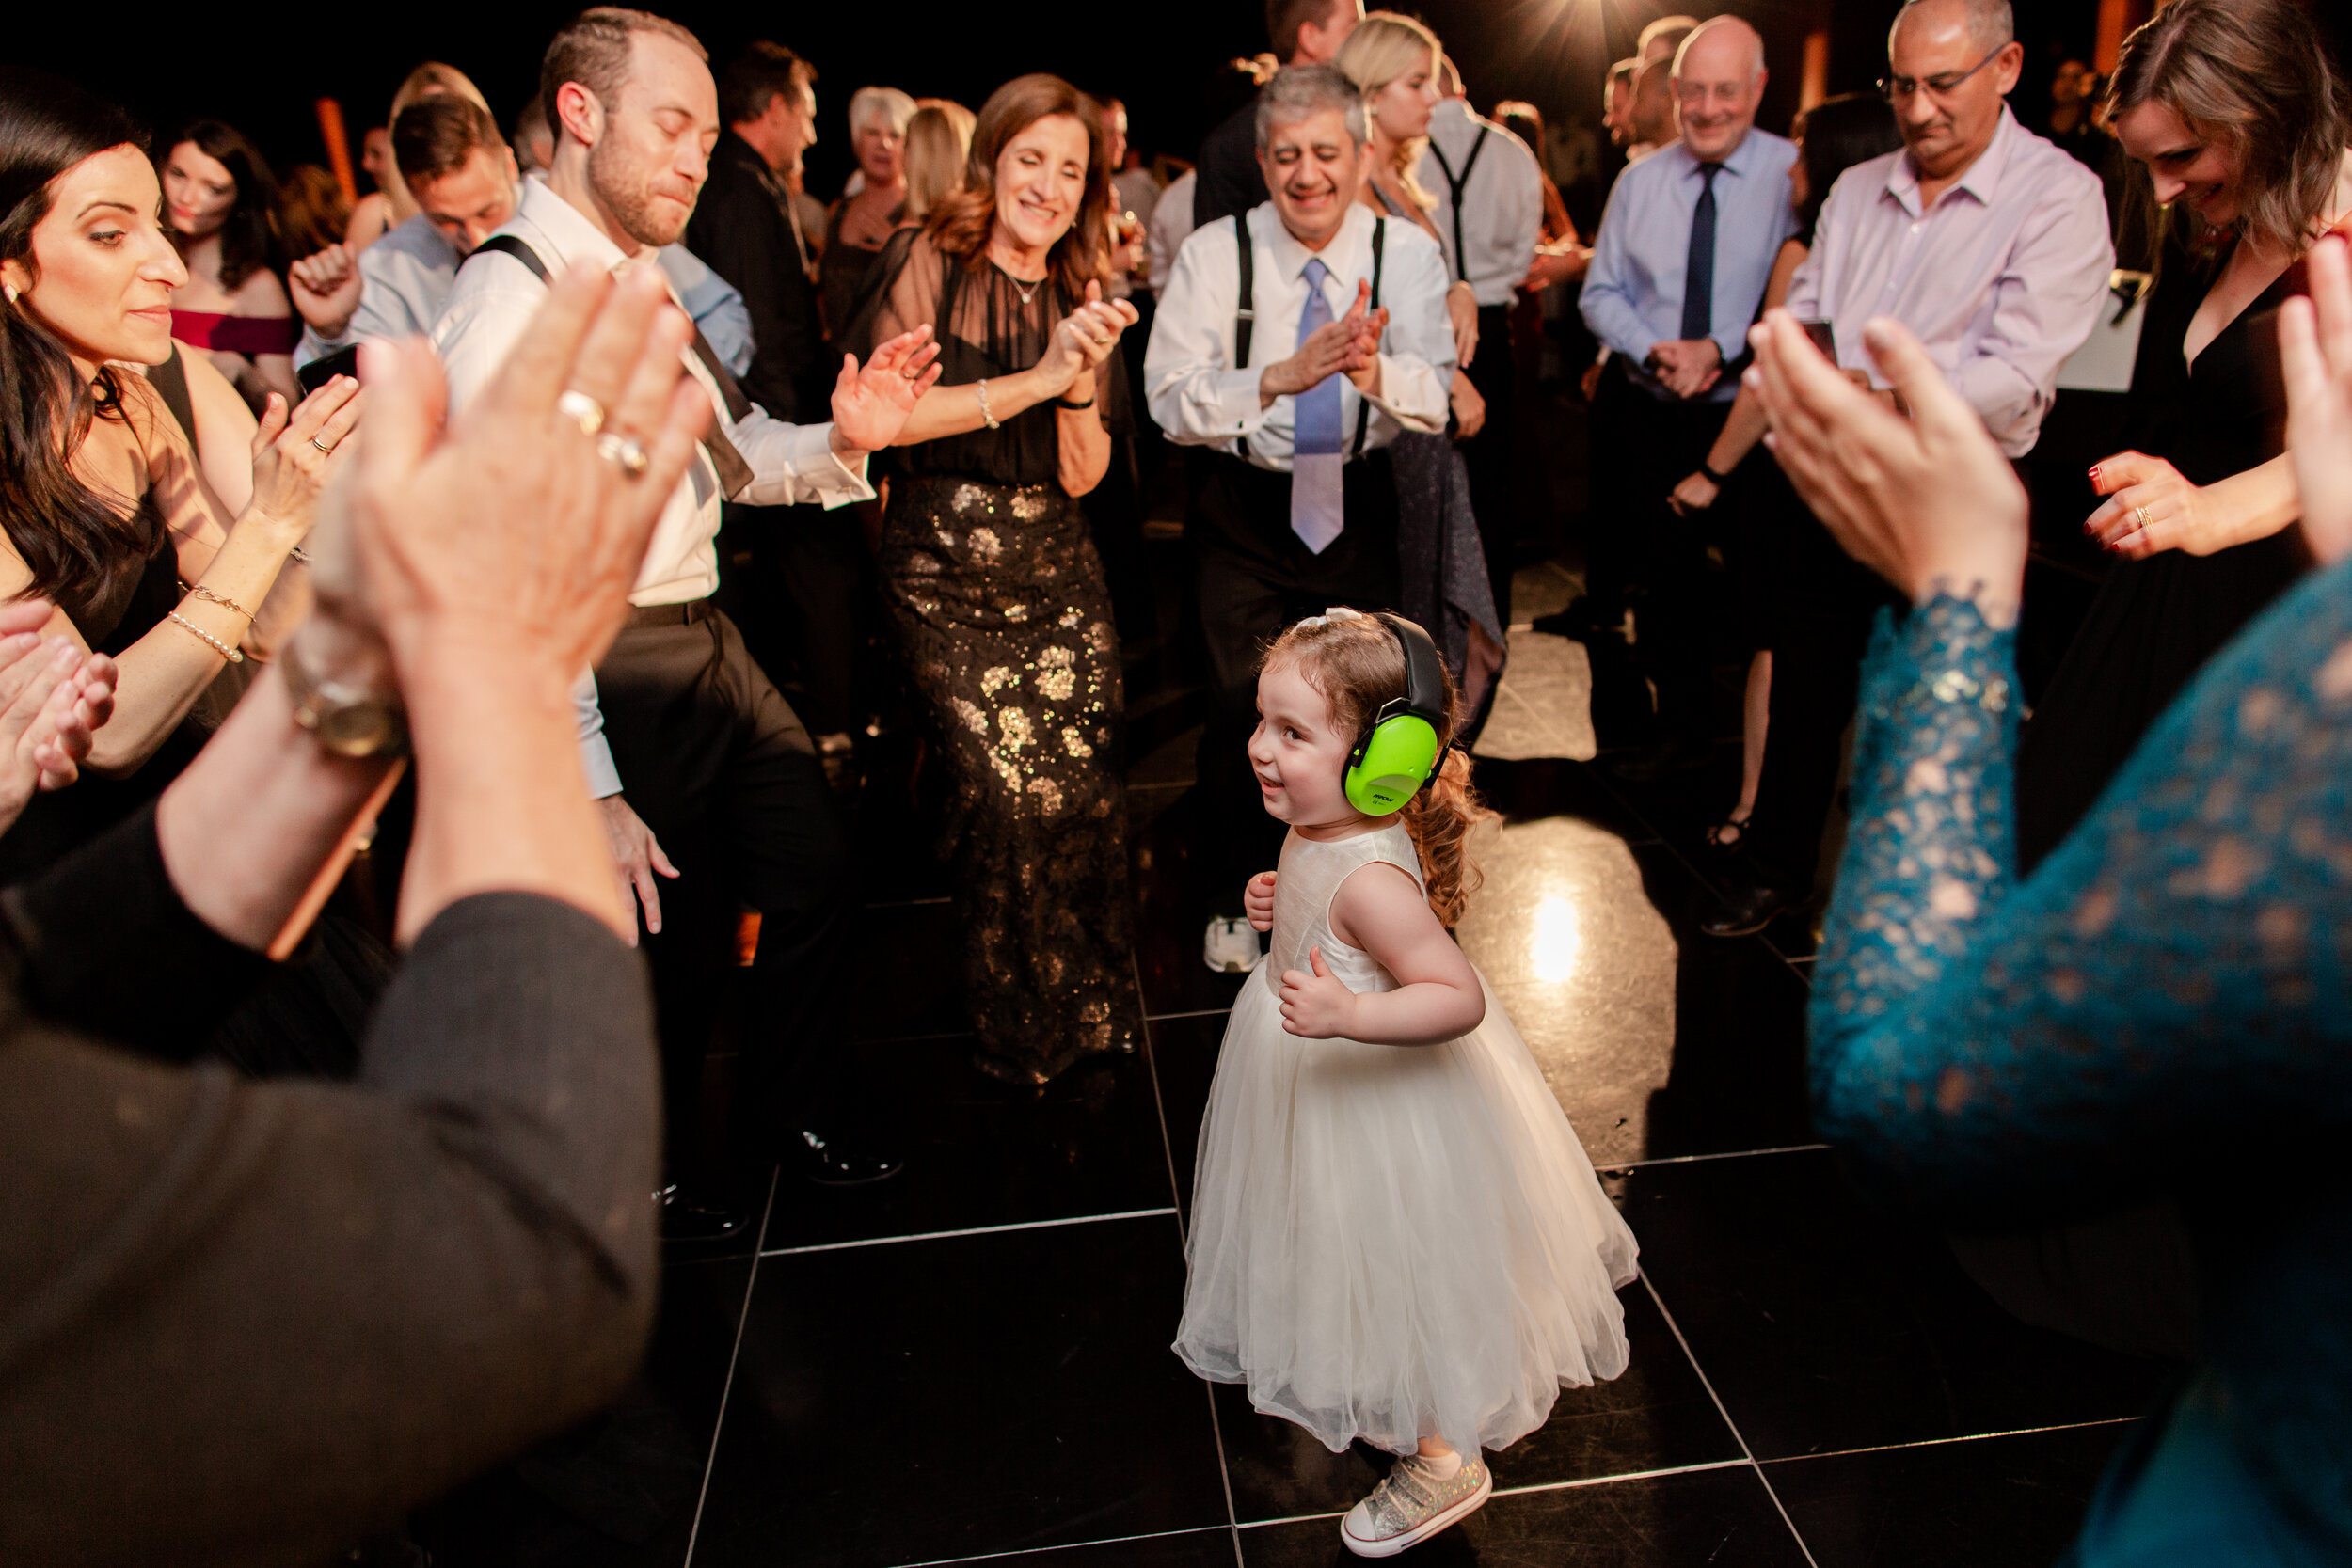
column 291, row 451
column 1349, row 347
column 326, row 289
column 54, row 698
column 1317, row 1006
column 1257, row 901
column 1929, row 503
column 870, row 405
column 2316, row 352
column 1085, row 338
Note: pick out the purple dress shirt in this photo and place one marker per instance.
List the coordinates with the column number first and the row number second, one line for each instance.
column 2002, row 280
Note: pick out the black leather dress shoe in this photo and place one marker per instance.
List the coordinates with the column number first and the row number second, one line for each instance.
column 688, row 1217
column 1745, row 909
column 843, row 1161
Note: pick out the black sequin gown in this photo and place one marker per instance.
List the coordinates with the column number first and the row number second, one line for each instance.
column 1002, row 619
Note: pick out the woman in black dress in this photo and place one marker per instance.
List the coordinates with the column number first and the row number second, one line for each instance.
column 104, row 509
column 992, row 581
column 2234, row 108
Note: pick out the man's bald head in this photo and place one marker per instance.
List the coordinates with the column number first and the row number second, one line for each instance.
column 1721, row 41
column 1718, row 83
column 1989, row 23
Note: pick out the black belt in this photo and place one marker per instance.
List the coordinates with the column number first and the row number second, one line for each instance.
column 684, row 614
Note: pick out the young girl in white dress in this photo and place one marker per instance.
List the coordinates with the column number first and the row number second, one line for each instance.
column 1395, row 1235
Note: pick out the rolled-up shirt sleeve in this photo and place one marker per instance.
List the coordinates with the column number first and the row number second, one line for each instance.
column 794, row 463
column 2042, row 309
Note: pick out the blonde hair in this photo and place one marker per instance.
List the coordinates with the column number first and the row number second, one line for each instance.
column 1383, row 47
column 429, row 80
column 939, row 140
column 1357, row 664
column 2254, row 74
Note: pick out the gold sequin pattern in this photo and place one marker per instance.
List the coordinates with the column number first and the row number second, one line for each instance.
column 1004, row 625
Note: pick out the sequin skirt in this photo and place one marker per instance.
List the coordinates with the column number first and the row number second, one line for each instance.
column 1004, row 624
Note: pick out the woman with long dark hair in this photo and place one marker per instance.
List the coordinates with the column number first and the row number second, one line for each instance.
column 222, row 203
column 1780, row 555
column 104, row 508
column 2241, row 120
column 992, row 579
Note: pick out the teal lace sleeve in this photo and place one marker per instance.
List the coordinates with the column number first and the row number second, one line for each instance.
column 2176, row 978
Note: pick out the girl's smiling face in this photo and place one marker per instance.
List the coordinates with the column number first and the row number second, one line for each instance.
column 1299, row 752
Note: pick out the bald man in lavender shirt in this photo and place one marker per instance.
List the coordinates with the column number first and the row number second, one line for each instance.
column 1991, row 245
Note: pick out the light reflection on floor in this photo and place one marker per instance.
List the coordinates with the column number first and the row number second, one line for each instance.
column 1565, row 933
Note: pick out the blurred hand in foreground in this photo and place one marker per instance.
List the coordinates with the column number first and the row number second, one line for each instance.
column 1928, row 502
column 2316, row 352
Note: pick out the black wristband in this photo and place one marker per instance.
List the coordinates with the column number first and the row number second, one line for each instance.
column 1713, row 478
column 1065, row 403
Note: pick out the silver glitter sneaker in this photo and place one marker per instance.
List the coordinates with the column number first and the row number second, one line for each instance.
column 1413, row 1505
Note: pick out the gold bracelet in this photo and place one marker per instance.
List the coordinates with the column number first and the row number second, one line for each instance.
column 221, row 599
column 234, row 656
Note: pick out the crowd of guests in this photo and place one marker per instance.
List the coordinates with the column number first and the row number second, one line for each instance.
column 343, row 1209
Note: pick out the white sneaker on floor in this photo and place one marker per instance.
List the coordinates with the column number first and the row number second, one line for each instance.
column 1414, row 1504
column 1230, row 946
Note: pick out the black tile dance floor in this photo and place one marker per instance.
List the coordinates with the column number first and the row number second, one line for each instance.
column 970, row 1364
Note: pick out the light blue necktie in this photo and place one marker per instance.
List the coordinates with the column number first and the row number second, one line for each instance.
column 1317, row 464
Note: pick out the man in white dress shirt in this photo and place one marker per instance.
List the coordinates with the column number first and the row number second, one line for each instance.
column 1490, row 212
column 718, row 772
column 1297, row 509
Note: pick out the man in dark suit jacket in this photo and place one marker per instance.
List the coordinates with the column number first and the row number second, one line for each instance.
column 1304, row 32
column 800, row 603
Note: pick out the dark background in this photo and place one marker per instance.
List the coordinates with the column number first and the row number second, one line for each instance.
column 259, row 65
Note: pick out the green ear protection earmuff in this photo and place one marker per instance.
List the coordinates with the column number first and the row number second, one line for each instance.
column 1397, row 753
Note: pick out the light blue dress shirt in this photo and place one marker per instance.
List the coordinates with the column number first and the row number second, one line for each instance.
column 406, row 275
column 1634, row 293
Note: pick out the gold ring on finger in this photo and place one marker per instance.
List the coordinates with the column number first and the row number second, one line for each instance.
column 2142, row 514
column 582, row 410
column 625, row 451
column 322, row 446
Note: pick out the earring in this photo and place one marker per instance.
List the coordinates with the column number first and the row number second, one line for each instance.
column 10, row 288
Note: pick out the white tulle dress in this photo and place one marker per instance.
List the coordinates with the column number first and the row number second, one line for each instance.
column 1389, row 1243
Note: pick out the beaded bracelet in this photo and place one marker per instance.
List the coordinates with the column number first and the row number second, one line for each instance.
column 234, row 656
column 221, row 599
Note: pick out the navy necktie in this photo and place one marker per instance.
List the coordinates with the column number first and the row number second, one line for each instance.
column 1698, row 277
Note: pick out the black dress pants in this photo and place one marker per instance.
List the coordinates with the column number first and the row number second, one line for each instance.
column 1640, row 552
column 799, row 583
column 1821, row 629
column 1490, row 456
column 718, row 766
column 1257, row 576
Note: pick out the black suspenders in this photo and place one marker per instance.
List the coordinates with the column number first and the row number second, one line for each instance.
column 1455, row 185
column 1246, row 306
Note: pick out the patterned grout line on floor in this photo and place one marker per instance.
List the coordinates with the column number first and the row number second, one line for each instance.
column 1069, row 1547
column 974, row 1230
column 718, row 1424
column 1945, row 1442
column 1721, row 1409
column 1538, row 1487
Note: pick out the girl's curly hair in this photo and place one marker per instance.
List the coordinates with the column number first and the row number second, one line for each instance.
column 1358, row 665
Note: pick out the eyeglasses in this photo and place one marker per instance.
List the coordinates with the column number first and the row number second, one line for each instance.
column 1893, row 87
column 1727, row 93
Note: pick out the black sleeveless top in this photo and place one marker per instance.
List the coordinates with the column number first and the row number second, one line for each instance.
column 2154, row 623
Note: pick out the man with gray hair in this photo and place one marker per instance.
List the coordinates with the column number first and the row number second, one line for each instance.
column 1685, row 247
column 1295, row 342
column 1991, row 245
